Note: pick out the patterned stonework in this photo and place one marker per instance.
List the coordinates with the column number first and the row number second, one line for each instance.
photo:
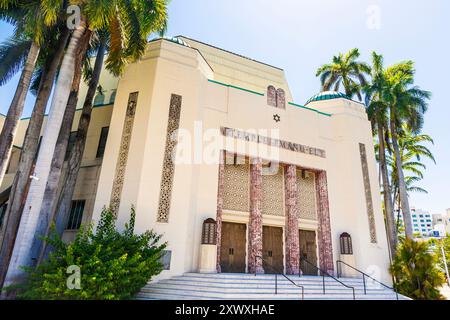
column 123, row 153
column 281, row 98
column 291, row 231
column 220, row 193
column 306, row 196
column 324, row 226
column 236, row 187
column 255, row 222
column 272, row 194
column 271, row 96
column 168, row 165
column 368, row 193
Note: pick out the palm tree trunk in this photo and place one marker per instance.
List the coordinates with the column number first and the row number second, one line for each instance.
column 388, row 205
column 16, row 108
column 30, row 216
column 401, row 181
column 76, row 154
column 27, row 157
column 54, row 178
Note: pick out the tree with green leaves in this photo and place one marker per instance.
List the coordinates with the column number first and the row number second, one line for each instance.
column 415, row 271
column 377, row 111
column 407, row 104
column 345, row 70
column 129, row 24
column 113, row 264
column 31, row 20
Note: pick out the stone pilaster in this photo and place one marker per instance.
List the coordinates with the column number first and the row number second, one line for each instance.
column 255, row 223
column 220, row 192
column 324, row 228
column 291, row 230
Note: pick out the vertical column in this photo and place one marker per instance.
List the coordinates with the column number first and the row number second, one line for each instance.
column 291, row 230
column 220, row 192
column 324, row 228
column 255, row 223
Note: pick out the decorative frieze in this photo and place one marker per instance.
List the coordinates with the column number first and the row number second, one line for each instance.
column 324, row 224
column 252, row 137
column 255, row 222
column 291, row 231
column 368, row 193
column 168, row 168
column 121, row 165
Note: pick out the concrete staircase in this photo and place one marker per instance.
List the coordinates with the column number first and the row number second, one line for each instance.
column 197, row 286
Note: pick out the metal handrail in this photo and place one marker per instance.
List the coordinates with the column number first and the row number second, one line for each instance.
column 323, row 273
column 364, row 277
column 276, row 277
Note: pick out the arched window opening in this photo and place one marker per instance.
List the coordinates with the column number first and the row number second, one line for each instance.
column 346, row 243
column 209, row 231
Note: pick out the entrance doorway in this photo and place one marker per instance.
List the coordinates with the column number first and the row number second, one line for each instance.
column 272, row 249
column 308, row 251
column 232, row 249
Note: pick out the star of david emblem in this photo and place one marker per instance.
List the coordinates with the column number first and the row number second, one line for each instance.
column 276, row 118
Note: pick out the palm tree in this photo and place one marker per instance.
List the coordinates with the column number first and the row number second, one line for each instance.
column 129, row 24
column 407, row 103
column 30, row 19
column 377, row 112
column 344, row 70
column 412, row 151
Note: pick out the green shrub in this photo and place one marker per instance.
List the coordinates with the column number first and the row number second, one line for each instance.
column 113, row 264
column 416, row 272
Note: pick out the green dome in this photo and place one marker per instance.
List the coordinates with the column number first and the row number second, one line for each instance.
column 327, row 95
column 177, row 40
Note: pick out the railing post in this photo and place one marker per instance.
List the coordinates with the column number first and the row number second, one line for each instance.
column 323, row 282
column 276, row 283
column 364, row 282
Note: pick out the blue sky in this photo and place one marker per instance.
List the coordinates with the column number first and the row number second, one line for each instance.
column 299, row 36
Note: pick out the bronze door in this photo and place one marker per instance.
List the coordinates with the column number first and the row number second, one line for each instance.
column 308, row 251
column 232, row 249
column 273, row 249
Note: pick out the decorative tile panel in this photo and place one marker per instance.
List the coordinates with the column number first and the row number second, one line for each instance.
column 236, row 187
column 168, row 169
column 121, row 165
column 271, row 96
column 368, row 193
column 281, row 99
column 272, row 194
column 306, row 195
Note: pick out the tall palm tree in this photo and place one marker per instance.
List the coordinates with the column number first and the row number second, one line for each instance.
column 345, row 70
column 407, row 103
column 129, row 24
column 378, row 114
column 31, row 18
column 412, row 150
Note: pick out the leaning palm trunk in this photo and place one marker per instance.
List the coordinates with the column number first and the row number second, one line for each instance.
column 56, row 172
column 15, row 109
column 76, row 153
column 27, row 157
column 22, row 248
column 388, row 206
column 401, row 182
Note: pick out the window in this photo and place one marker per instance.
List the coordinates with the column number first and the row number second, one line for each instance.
column 346, row 243
column 76, row 214
column 102, row 142
column 70, row 144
